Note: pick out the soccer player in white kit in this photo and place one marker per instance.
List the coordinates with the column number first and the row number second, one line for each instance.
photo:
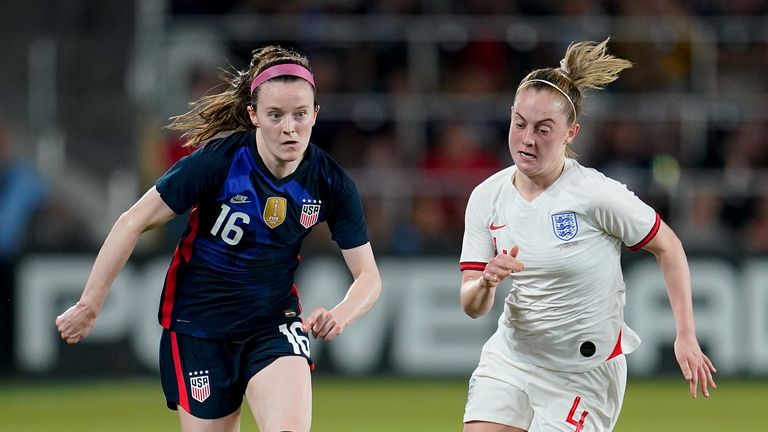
column 555, row 229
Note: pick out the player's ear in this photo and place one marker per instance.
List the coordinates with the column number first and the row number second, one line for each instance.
column 572, row 132
column 252, row 115
column 317, row 110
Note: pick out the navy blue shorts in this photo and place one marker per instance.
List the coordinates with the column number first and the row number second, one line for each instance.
column 208, row 378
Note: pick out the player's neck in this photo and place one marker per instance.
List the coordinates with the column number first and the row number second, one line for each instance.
column 531, row 187
column 281, row 169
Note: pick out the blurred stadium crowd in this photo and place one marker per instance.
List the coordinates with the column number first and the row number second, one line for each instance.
column 415, row 98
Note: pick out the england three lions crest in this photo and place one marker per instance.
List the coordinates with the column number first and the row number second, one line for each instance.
column 310, row 211
column 565, row 225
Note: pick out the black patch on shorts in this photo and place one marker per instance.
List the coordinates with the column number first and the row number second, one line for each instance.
column 587, row 349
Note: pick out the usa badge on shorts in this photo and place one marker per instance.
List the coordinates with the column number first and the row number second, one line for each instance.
column 199, row 386
column 310, row 211
column 565, row 225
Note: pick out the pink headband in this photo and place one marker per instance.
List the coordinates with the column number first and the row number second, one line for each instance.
column 282, row 70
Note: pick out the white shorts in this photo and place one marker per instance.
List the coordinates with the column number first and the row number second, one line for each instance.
column 505, row 391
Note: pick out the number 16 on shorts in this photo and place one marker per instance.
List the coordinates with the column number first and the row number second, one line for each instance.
column 298, row 341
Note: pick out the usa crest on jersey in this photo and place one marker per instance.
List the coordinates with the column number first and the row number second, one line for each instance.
column 199, row 386
column 310, row 211
column 565, row 225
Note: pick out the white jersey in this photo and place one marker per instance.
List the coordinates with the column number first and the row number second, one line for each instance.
column 565, row 309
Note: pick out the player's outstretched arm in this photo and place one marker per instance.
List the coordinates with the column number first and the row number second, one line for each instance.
column 150, row 211
column 694, row 364
column 478, row 288
column 360, row 298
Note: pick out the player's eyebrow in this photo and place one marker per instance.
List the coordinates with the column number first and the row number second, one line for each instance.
column 538, row 122
column 279, row 108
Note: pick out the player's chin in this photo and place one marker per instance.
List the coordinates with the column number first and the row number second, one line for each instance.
column 293, row 150
column 523, row 162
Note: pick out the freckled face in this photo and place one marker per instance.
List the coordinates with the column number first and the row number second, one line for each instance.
column 539, row 132
column 284, row 116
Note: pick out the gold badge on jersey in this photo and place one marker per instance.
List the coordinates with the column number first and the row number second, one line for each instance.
column 274, row 211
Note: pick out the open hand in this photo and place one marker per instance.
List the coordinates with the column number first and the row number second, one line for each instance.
column 695, row 365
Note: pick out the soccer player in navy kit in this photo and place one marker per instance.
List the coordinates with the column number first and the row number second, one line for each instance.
column 229, row 310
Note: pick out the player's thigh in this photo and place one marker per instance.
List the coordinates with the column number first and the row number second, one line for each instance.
column 190, row 423
column 480, row 426
column 280, row 395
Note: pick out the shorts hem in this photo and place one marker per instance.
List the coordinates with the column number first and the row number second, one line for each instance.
column 174, row 406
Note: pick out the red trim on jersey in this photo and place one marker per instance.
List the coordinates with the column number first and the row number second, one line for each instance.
column 180, row 379
column 617, row 349
column 186, row 244
column 650, row 235
column 183, row 251
column 479, row 266
column 295, row 291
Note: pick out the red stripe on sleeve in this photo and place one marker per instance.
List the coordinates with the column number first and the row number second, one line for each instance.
column 479, row 266
column 650, row 235
column 180, row 379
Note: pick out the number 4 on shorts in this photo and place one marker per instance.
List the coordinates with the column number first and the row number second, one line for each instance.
column 571, row 420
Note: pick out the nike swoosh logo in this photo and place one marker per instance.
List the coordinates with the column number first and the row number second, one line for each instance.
column 239, row 199
column 495, row 227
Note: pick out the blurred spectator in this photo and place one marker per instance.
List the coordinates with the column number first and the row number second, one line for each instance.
column 665, row 55
column 755, row 233
column 454, row 166
column 480, row 67
column 744, row 153
column 702, row 230
column 458, row 152
column 744, row 7
column 22, row 194
column 425, row 230
column 386, row 208
column 622, row 152
column 379, row 224
column 394, row 7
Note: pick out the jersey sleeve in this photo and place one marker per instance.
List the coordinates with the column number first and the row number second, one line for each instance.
column 477, row 247
column 193, row 177
column 625, row 216
column 346, row 220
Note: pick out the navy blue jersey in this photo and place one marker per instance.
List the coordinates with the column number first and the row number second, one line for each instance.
column 233, row 270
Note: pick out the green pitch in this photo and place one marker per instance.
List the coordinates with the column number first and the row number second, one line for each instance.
column 369, row 405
